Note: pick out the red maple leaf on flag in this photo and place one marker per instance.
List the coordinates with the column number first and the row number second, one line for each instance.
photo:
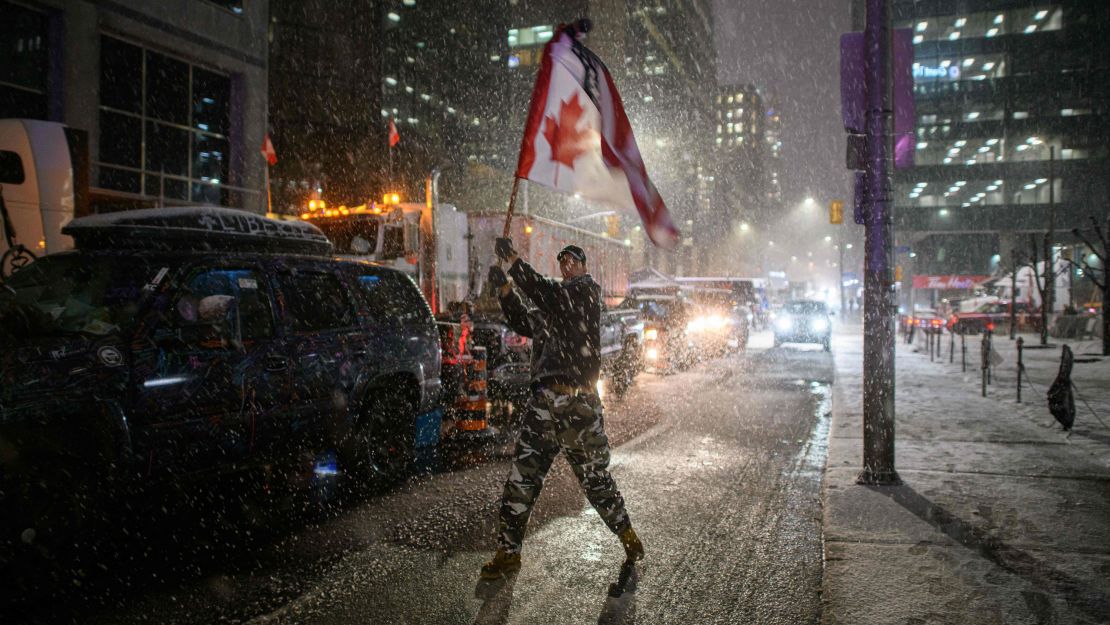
column 566, row 141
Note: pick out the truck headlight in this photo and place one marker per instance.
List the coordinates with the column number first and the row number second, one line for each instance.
column 652, row 353
column 651, row 334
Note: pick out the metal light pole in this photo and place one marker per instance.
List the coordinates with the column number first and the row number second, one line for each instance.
column 879, row 304
column 843, row 303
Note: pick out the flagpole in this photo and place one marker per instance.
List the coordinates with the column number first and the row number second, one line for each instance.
column 512, row 205
column 269, row 200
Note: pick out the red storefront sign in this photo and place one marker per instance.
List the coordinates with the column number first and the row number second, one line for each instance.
column 947, row 282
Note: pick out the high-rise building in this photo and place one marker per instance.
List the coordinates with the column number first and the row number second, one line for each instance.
column 747, row 172
column 1012, row 128
column 445, row 87
column 325, row 93
column 747, row 149
column 172, row 94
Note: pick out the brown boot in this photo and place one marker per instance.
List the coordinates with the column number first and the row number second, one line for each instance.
column 502, row 564
column 633, row 548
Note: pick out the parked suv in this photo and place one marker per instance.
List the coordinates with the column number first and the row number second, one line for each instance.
column 180, row 344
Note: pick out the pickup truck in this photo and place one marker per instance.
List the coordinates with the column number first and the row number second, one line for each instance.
column 622, row 340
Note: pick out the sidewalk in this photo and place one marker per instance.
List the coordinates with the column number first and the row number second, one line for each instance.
column 1001, row 518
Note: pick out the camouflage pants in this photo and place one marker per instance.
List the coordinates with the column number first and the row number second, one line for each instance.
column 554, row 422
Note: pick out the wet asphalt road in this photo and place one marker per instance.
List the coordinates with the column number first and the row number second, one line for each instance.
column 720, row 466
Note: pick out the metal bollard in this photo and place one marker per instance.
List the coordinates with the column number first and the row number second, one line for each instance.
column 990, row 346
column 963, row 352
column 1020, row 367
column 951, row 348
column 929, row 339
column 984, row 361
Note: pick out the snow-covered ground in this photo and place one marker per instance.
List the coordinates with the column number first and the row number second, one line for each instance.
column 1090, row 374
column 1001, row 518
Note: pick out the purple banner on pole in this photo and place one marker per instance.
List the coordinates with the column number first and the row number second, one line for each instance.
column 853, row 82
column 905, row 118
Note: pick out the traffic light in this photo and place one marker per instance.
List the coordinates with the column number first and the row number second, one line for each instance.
column 898, row 273
column 836, row 212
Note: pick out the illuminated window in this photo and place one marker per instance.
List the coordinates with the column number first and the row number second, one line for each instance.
column 165, row 125
column 23, row 72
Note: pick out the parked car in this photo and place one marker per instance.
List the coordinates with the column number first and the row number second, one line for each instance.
column 804, row 321
column 509, row 353
column 720, row 323
column 180, row 345
column 991, row 314
column 666, row 343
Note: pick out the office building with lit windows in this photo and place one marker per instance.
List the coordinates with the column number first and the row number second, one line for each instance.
column 171, row 94
column 748, row 149
column 325, row 91
column 1012, row 131
column 444, row 67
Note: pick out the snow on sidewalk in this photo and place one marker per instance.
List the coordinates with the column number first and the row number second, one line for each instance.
column 1090, row 375
column 1001, row 517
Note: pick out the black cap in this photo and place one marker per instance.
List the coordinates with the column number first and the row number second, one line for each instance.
column 574, row 251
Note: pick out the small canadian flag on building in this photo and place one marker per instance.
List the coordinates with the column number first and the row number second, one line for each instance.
column 578, row 138
column 394, row 136
column 268, row 151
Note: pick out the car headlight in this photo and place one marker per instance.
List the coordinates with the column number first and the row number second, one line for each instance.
column 652, row 353
column 820, row 325
column 651, row 334
column 784, row 323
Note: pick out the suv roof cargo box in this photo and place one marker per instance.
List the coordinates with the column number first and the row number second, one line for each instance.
column 196, row 228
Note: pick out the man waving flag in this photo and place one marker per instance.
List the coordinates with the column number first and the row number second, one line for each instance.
column 578, row 138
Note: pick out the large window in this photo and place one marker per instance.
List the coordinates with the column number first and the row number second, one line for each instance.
column 986, row 24
column 23, row 70
column 164, row 125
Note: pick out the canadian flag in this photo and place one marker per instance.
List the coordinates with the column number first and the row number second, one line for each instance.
column 268, row 151
column 394, row 136
column 578, row 138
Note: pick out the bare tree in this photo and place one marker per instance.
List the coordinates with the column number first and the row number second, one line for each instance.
column 1040, row 260
column 1102, row 253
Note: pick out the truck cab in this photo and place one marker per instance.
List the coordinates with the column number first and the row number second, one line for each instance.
column 44, row 182
column 428, row 243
